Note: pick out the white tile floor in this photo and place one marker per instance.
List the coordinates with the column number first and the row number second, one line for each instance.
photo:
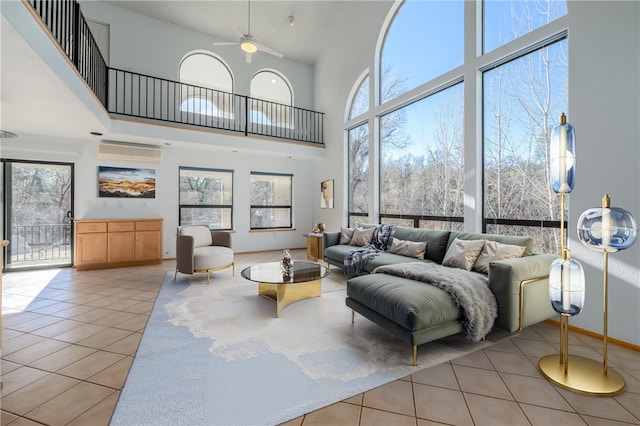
column 70, row 337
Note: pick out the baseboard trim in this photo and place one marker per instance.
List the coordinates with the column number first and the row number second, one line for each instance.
column 598, row 336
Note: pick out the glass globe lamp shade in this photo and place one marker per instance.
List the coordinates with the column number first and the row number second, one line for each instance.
column 607, row 229
column 566, row 286
column 562, row 156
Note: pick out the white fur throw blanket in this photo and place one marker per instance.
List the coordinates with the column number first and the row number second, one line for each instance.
column 469, row 291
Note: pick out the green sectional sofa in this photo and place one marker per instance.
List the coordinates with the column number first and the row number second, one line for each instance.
column 417, row 313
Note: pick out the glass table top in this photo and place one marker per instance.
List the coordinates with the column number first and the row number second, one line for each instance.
column 271, row 273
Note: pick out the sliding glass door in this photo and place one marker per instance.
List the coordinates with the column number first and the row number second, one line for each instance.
column 38, row 213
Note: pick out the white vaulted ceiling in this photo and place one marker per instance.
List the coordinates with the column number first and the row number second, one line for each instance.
column 314, row 21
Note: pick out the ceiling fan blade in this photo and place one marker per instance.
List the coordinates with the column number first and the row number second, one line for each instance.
column 268, row 50
column 248, row 56
column 225, row 43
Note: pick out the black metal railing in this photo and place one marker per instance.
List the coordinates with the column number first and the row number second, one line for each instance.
column 35, row 244
column 143, row 96
column 67, row 25
column 138, row 95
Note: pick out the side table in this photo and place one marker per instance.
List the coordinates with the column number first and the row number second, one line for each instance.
column 314, row 246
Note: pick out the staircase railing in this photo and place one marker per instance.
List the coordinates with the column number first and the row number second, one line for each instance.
column 67, row 25
column 142, row 96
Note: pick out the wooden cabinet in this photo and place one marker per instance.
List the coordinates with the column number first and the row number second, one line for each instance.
column 106, row 243
column 148, row 242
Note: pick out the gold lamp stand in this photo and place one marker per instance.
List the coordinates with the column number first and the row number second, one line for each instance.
column 585, row 376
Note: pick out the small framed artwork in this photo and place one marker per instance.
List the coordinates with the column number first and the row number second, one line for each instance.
column 326, row 191
column 122, row 182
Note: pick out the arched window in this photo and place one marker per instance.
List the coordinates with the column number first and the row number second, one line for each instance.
column 271, row 100
column 360, row 102
column 436, row 121
column 358, row 154
column 425, row 39
column 206, row 86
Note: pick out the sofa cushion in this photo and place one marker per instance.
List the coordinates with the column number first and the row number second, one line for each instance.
column 387, row 258
column 411, row 304
column 211, row 257
column 409, row 248
column 201, row 234
column 436, row 240
column 346, row 234
column 494, row 250
column 463, row 253
column 527, row 242
column 362, row 236
column 338, row 253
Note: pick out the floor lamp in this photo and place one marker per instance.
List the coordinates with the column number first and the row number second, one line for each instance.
column 606, row 229
column 566, row 276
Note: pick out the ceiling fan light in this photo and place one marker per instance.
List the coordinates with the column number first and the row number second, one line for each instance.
column 248, row 46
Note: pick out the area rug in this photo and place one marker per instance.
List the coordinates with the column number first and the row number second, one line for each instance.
column 217, row 355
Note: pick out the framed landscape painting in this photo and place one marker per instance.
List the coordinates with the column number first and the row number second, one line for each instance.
column 122, row 182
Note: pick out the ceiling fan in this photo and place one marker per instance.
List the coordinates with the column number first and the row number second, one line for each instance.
column 248, row 44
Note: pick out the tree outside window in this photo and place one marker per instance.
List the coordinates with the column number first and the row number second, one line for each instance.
column 523, row 100
column 206, row 197
column 422, row 162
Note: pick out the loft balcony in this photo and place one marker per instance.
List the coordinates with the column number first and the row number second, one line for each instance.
column 142, row 97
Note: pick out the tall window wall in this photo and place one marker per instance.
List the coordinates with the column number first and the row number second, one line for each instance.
column 422, row 162
column 443, row 91
column 524, row 95
column 358, row 154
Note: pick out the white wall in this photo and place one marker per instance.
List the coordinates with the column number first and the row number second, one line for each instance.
column 87, row 205
column 604, row 106
column 351, row 53
column 148, row 46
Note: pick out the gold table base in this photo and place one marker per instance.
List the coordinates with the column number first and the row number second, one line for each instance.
column 584, row 375
column 287, row 293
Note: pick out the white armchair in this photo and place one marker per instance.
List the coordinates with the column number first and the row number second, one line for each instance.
column 199, row 249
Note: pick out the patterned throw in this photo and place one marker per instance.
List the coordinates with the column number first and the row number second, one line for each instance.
column 381, row 241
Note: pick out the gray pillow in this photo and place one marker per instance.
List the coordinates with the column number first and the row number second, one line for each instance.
column 345, row 235
column 463, row 253
column 415, row 249
column 362, row 236
column 494, row 250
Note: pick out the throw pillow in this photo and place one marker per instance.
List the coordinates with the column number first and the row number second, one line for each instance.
column 362, row 236
column 463, row 253
column 415, row 249
column 346, row 234
column 494, row 250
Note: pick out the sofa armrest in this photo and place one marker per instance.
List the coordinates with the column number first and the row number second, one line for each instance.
column 331, row 239
column 221, row 238
column 521, row 287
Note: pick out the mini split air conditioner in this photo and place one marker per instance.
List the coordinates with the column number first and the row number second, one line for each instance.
column 128, row 151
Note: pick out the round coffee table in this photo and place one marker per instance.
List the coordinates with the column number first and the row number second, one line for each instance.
column 303, row 283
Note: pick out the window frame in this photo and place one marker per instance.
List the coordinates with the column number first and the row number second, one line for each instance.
column 549, row 225
column 191, row 91
column 470, row 72
column 271, row 206
column 206, row 206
